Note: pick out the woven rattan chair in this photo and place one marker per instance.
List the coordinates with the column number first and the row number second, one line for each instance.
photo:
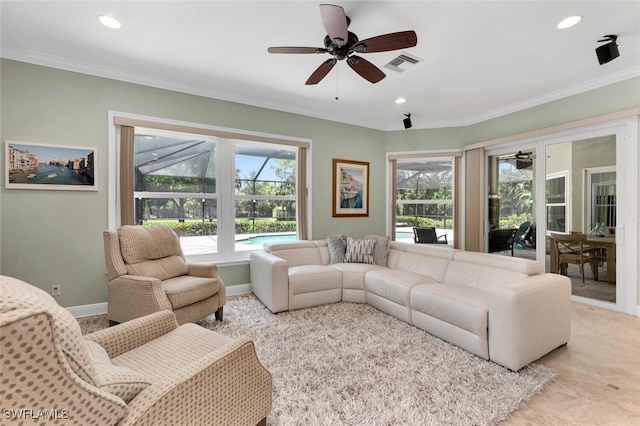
column 148, row 371
column 147, row 273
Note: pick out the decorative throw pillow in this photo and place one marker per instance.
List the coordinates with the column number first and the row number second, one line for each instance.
column 337, row 245
column 359, row 251
column 380, row 248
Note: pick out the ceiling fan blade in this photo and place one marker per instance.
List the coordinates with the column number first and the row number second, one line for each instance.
column 295, row 49
column 335, row 22
column 365, row 69
column 387, row 42
column 321, row 71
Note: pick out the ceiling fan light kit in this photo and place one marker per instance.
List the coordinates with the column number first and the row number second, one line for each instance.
column 342, row 44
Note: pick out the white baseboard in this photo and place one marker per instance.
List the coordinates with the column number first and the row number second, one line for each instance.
column 101, row 308
column 236, row 290
column 88, row 310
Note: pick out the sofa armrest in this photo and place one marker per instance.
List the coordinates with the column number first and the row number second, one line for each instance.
column 206, row 391
column 528, row 319
column 270, row 280
column 132, row 296
column 124, row 337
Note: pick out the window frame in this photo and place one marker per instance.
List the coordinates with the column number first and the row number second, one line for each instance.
column 226, row 253
column 567, row 205
column 455, row 156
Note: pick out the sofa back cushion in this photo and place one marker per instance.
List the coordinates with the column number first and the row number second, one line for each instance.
column 515, row 264
column 485, row 271
column 432, row 267
column 152, row 251
column 432, row 250
column 296, row 253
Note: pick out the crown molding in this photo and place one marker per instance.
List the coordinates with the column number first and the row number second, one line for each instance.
column 38, row 58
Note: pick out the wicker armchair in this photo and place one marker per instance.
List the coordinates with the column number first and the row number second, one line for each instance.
column 147, row 273
column 148, row 371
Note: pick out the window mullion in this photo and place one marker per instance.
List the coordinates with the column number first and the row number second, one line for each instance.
column 226, row 213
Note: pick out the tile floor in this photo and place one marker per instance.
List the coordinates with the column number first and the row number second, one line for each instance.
column 599, row 378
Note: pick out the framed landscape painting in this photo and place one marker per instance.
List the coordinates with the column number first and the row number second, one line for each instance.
column 54, row 167
column 350, row 188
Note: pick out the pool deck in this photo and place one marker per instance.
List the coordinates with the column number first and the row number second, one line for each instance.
column 208, row 244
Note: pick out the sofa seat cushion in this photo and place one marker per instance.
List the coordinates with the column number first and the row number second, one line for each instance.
column 185, row 290
column 393, row 285
column 312, row 278
column 459, row 305
column 353, row 273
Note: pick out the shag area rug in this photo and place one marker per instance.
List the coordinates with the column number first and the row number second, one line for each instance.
column 350, row 364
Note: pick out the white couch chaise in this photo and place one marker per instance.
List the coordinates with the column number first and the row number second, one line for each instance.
column 500, row 308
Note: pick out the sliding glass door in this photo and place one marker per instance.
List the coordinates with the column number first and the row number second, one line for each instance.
column 581, row 199
column 511, row 203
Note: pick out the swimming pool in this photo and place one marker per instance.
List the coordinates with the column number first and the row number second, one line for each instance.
column 261, row 239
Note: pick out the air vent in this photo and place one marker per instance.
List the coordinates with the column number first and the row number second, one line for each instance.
column 400, row 63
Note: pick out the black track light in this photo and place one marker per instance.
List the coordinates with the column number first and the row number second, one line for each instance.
column 607, row 52
column 407, row 121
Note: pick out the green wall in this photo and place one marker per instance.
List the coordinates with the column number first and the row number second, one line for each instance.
column 55, row 237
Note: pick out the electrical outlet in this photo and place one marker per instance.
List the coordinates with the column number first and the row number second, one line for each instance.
column 55, row 290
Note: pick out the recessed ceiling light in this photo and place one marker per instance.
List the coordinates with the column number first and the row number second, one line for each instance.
column 401, row 100
column 109, row 22
column 569, row 22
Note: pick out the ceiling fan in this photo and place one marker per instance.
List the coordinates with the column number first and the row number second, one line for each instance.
column 525, row 157
column 342, row 44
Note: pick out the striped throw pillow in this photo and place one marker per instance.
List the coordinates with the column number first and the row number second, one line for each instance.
column 359, row 251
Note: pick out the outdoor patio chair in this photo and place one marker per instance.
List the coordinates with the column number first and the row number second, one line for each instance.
column 427, row 235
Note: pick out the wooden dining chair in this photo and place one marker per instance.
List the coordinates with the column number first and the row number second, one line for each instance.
column 572, row 249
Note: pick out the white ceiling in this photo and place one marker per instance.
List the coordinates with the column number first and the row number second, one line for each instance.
column 481, row 59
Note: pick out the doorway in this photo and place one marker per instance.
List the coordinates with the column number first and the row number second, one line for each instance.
column 511, row 203
column 569, row 177
column 580, row 200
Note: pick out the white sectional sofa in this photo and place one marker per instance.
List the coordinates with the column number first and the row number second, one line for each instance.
column 499, row 308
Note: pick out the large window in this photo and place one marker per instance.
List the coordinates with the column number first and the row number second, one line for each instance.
column 225, row 196
column 265, row 193
column 556, row 201
column 424, row 196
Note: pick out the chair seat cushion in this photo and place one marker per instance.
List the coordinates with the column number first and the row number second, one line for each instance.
column 174, row 354
column 186, row 289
